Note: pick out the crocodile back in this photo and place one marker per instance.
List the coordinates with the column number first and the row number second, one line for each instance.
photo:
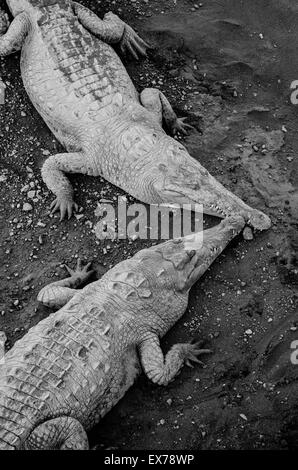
column 74, row 80
column 70, row 364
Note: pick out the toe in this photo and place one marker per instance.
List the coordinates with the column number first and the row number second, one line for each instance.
column 69, row 270
column 63, row 211
column 79, row 264
column 88, row 266
column 188, row 363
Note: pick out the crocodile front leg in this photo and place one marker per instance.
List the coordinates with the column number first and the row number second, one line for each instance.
column 64, row 433
column 14, row 37
column 112, row 30
column 58, row 293
column 155, row 101
column 160, row 369
column 53, row 175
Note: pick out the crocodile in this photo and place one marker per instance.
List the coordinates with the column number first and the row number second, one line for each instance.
column 78, row 84
column 71, row 368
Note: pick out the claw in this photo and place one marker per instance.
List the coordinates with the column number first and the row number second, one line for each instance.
column 79, row 264
column 65, row 205
column 188, row 363
column 132, row 43
column 80, row 269
column 88, row 266
column 132, row 51
column 192, row 352
column 199, row 352
column 181, row 126
column 69, row 270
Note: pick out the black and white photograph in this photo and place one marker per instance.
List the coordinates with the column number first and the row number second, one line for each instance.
column 149, row 227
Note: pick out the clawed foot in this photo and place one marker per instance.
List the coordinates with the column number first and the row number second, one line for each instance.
column 181, row 126
column 65, row 206
column 4, row 22
column 191, row 352
column 132, row 43
column 83, row 272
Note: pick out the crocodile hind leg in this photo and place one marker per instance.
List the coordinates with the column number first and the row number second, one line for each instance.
column 58, row 293
column 163, row 369
column 64, row 433
column 13, row 39
column 53, row 175
column 155, row 101
column 111, row 30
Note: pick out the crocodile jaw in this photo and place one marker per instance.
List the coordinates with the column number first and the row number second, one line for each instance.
column 214, row 240
column 186, row 181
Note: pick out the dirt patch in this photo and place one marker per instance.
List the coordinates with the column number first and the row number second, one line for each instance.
column 228, row 66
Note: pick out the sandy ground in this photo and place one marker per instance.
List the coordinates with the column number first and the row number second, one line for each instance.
column 228, row 66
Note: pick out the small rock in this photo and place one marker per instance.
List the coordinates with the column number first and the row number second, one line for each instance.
column 243, row 416
column 27, row 207
column 247, row 234
column 248, row 332
column 40, row 224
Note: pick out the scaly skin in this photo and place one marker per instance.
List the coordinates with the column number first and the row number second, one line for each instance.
column 69, row 370
column 80, row 87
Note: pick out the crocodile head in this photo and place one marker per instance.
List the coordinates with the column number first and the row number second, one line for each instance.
column 180, row 179
column 207, row 245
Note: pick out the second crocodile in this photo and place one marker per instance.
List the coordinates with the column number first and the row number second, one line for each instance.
column 71, row 368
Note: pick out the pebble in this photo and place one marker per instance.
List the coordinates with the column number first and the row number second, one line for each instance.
column 248, row 332
column 247, row 234
column 243, row 416
column 27, row 207
column 31, row 194
column 40, row 224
